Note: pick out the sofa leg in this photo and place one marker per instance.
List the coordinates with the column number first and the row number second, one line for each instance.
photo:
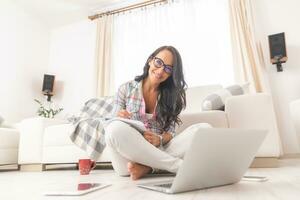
column 265, row 162
column 32, row 167
column 9, row 167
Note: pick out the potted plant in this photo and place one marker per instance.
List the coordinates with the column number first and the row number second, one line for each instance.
column 47, row 112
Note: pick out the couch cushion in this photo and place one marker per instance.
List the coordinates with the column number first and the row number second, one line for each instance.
column 58, row 135
column 195, row 96
column 58, row 147
column 216, row 118
column 216, row 100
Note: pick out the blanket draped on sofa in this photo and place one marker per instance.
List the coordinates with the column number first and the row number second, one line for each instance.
column 88, row 128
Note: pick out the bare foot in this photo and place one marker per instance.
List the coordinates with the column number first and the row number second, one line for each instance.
column 137, row 170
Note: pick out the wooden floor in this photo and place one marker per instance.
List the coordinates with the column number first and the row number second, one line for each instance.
column 283, row 183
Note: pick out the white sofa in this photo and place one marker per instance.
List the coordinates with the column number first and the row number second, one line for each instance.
column 9, row 142
column 45, row 141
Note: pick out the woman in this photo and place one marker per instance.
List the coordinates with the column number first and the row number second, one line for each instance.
column 156, row 98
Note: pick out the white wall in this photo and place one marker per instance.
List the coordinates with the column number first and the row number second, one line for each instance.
column 275, row 16
column 29, row 49
column 71, row 59
column 23, row 59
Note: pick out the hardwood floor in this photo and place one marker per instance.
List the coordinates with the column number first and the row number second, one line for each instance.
column 283, row 183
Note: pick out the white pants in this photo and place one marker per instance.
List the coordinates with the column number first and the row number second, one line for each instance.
column 126, row 144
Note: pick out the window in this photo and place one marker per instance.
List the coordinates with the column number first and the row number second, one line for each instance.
column 199, row 29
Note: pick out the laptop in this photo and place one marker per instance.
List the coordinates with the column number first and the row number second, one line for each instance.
column 216, row 157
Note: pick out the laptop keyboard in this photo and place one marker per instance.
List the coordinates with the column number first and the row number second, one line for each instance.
column 165, row 185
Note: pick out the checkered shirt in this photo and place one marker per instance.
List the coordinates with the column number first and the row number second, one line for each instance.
column 130, row 97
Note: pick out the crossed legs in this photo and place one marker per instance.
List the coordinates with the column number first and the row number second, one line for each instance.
column 127, row 147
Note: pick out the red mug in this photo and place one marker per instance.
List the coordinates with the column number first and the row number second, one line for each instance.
column 85, row 166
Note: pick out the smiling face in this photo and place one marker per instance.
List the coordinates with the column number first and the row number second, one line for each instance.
column 160, row 67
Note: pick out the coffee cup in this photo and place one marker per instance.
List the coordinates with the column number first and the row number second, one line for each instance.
column 85, row 166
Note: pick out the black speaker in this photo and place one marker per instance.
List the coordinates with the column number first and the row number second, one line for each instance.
column 48, row 83
column 277, row 47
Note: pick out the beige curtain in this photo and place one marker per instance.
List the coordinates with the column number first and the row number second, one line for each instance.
column 103, row 56
column 247, row 52
column 248, row 59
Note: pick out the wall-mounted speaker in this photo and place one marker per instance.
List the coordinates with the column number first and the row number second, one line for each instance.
column 48, row 84
column 277, row 47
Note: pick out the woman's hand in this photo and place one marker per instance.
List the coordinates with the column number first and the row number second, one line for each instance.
column 152, row 138
column 124, row 114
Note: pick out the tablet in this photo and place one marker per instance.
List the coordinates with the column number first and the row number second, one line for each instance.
column 76, row 189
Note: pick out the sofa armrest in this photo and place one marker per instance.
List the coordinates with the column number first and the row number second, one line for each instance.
column 9, row 142
column 255, row 111
column 31, row 138
column 215, row 118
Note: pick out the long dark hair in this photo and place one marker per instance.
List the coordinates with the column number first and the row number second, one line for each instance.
column 171, row 92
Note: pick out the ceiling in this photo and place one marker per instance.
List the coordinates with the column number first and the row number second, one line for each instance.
column 59, row 12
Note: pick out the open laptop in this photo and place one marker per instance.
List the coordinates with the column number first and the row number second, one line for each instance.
column 216, row 157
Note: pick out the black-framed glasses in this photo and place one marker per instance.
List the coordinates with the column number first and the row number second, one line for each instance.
column 159, row 63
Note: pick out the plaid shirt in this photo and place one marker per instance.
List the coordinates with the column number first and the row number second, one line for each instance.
column 130, row 97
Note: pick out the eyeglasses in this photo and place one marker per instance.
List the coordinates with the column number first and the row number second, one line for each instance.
column 158, row 63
